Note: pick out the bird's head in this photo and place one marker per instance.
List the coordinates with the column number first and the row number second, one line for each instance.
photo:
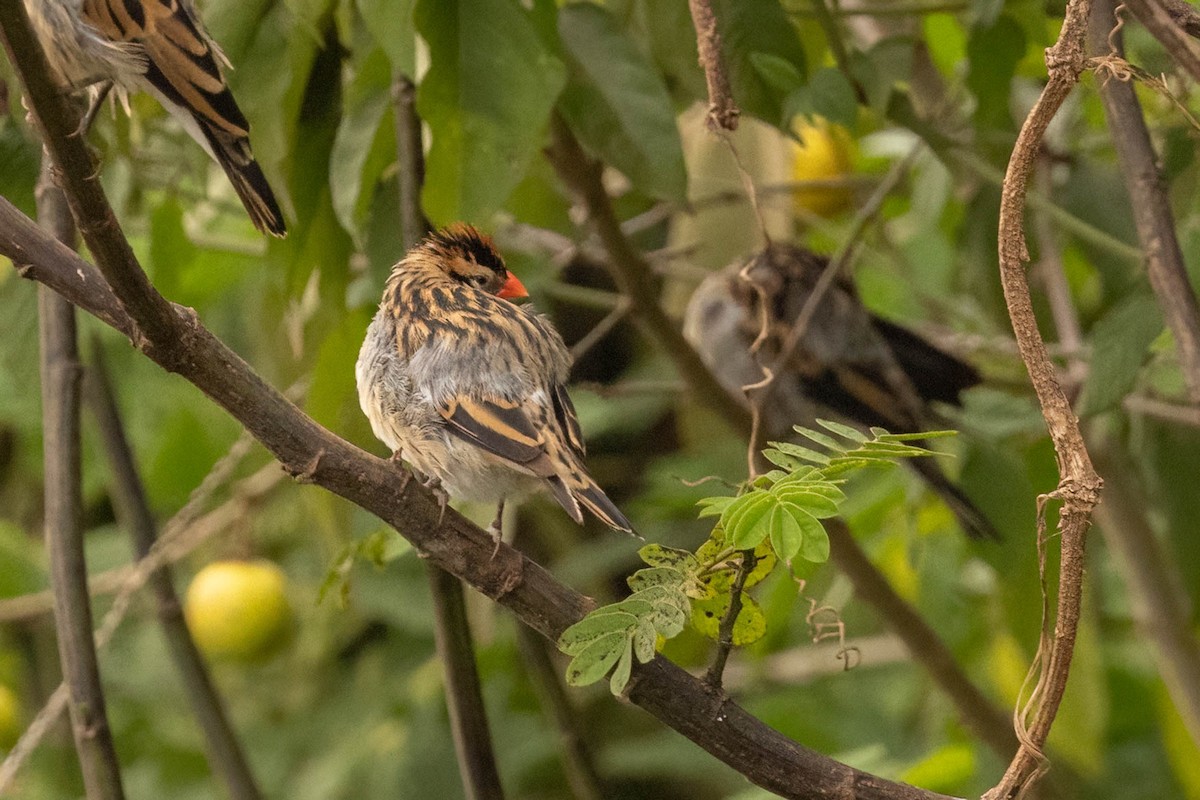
column 469, row 257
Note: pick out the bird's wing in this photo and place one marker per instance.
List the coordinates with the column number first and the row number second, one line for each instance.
column 501, row 427
column 568, row 420
column 183, row 62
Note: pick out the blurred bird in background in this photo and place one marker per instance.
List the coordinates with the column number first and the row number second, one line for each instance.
column 161, row 47
column 468, row 387
column 864, row 369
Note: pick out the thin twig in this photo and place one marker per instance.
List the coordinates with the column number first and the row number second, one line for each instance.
column 1153, row 580
column 631, row 272
column 452, row 630
column 716, row 670
column 1079, row 487
column 578, row 763
column 1053, row 276
column 225, row 753
column 62, row 447
column 1150, row 204
column 722, row 110
column 1164, row 27
column 464, row 695
column 1170, row 412
column 410, row 156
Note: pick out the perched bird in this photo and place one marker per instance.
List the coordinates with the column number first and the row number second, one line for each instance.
column 159, row 46
column 468, row 387
column 864, row 369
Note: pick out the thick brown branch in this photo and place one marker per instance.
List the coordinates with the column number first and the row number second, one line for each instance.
column 64, row 535
column 1079, row 488
column 723, row 112
column 225, row 753
column 1150, row 204
column 680, row 700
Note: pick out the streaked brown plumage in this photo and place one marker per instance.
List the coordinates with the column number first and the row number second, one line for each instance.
column 159, row 46
column 469, row 387
column 850, row 362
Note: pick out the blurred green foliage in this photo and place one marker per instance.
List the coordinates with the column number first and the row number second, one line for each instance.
column 354, row 708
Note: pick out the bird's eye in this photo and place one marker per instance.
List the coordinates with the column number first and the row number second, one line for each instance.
column 478, row 281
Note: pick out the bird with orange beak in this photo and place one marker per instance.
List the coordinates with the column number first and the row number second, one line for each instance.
column 469, row 388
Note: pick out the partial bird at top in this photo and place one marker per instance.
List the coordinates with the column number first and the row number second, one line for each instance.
column 862, row 368
column 469, row 388
column 161, row 47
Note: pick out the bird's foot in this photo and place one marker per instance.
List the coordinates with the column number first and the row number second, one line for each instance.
column 434, row 484
column 496, row 529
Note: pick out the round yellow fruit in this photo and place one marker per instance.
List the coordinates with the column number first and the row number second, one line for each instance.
column 10, row 718
column 825, row 154
column 238, row 610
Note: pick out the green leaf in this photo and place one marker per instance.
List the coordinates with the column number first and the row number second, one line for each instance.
column 833, row 97
column 364, row 145
column 620, row 675
column 1119, row 348
column 390, row 23
column 993, row 53
column 748, row 628
column 668, row 618
column 813, row 503
column 883, row 436
column 752, row 525
column 714, row 506
column 845, row 431
column 779, row 73
column 815, row 546
column 657, row 555
column 786, row 533
column 645, row 639
column 617, row 104
column 595, row 660
column 583, row 634
column 828, row 442
column 656, row 576
column 799, row 451
column 486, row 98
column 781, row 459
column 757, row 31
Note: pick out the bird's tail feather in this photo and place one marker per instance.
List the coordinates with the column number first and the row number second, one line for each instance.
column 248, row 181
column 597, row 502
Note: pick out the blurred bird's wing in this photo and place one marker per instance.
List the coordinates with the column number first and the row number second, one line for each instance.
column 183, row 70
column 522, row 433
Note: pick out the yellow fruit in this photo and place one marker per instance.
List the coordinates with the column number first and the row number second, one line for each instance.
column 10, row 718
column 238, row 610
column 824, row 155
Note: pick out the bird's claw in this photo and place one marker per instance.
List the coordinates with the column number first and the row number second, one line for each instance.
column 497, row 538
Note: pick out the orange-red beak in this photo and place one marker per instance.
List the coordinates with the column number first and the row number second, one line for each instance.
column 512, row 289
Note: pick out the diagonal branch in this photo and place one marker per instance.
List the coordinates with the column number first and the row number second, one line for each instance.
column 1079, row 486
